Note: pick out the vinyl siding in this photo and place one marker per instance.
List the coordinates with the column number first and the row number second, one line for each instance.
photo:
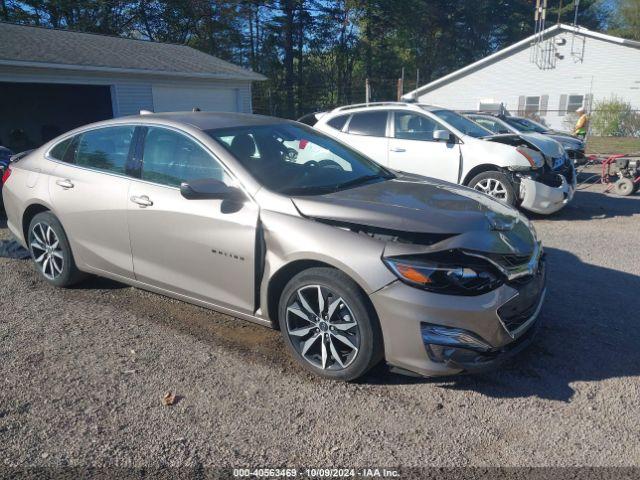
column 606, row 69
column 226, row 96
column 129, row 93
column 129, row 99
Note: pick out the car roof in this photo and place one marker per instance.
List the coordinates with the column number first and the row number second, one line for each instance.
column 210, row 120
column 489, row 115
column 372, row 106
column 482, row 114
column 431, row 108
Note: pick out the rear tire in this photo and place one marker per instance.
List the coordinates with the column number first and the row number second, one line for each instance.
column 495, row 184
column 338, row 337
column 50, row 251
column 624, row 187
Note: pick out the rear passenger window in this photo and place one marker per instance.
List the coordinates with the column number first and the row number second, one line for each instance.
column 105, row 149
column 171, row 158
column 369, row 123
column 338, row 122
column 58, row 152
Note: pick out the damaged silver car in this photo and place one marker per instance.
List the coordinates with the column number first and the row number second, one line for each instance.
column 353, row 262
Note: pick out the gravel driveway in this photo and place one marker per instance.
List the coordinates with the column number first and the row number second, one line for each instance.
column 84, row 372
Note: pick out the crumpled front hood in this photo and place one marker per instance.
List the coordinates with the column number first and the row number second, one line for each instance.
column 415, row 204
column 547, row 145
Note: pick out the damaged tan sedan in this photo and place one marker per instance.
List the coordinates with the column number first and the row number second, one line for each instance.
column 273, row 222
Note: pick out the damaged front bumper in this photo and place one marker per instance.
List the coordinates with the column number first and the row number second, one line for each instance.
column 431, row 335
column 547, row 193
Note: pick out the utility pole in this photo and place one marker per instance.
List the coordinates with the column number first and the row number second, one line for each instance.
column 417, row 78
column 367, row 91
column 401, row 85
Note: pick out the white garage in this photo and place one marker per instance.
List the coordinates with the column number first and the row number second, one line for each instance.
column 54, row 80
column 168, row 98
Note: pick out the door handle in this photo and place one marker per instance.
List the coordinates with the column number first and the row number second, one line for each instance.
column 396, row 149
column 66, row 183
column 143, row 201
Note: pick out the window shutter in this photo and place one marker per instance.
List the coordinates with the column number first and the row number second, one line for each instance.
column 562, row 108
column 544, row 104
column 521, row 105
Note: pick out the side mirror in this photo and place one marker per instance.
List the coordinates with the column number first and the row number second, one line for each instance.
column 209, row 189
column 444, row 136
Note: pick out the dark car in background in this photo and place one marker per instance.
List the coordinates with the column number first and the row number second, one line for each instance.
column 500, row 123
column 5, row 158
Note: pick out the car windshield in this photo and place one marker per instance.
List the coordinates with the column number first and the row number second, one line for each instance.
column 297, row 160
column 462, row 124
column 525, row 125
column 492, row 123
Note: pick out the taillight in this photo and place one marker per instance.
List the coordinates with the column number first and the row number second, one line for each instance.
column 6, row 174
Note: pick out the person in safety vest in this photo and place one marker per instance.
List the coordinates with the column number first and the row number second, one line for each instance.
column 582, row 124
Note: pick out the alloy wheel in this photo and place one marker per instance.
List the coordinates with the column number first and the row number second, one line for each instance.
column 46, row 250
column 492, row 187
column 322, row 328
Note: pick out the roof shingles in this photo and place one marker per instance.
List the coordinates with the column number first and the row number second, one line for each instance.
column 22, row 43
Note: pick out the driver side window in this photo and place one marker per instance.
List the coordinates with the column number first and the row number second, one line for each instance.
column 171, row 158
column 410, row 126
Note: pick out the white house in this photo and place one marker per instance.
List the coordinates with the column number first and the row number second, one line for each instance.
column 54, row 80
column 548, row 75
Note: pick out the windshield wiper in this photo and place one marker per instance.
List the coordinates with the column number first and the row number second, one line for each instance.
column 307, row 189
column 360, row 181
column 320, row 189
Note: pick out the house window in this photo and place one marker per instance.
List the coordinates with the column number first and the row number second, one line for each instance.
column 532, row 105
column 574, row 102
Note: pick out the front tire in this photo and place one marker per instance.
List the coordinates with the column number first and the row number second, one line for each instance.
column 50, row 251
column 495, row 184
column 328, row 325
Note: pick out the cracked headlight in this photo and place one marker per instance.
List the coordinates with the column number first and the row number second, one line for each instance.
column 475, row 278
column 535, row 159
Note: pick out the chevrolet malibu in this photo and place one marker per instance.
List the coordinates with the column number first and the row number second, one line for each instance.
column 353, row 262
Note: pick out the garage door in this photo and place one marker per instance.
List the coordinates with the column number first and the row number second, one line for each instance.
column 181, row 99
column 34, row 113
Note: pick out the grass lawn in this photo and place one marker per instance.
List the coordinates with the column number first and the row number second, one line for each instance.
column 611, row 145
